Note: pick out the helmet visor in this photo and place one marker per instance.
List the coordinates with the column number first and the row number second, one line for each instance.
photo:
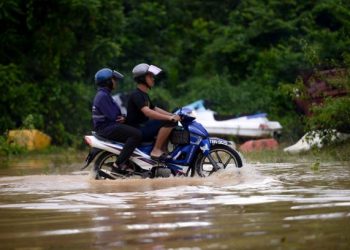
column 154, row 70
column 117, row 75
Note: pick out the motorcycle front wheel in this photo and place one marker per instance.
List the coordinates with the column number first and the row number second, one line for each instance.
column 224, row 157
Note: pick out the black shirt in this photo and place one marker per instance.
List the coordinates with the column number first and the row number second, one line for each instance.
column 137, row 100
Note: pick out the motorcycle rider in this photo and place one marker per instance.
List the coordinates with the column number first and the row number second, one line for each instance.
column 108, row 120
column 151, row 120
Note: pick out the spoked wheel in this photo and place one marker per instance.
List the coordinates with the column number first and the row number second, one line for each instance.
column 103, row 167
column 191, row 171
column 220, row 157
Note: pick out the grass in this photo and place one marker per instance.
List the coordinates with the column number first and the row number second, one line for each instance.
column 57, row 154
column 335, row 152
column 330, row 153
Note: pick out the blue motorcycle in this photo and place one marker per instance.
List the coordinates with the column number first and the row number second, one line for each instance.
column 193, row 152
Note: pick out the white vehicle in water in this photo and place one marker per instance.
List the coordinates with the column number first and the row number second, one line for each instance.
column 255, row 126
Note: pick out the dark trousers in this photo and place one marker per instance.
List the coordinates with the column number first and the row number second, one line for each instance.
column 130, row 136
column 151, row 128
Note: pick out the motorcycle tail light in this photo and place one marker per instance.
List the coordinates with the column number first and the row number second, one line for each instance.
column 87, row 140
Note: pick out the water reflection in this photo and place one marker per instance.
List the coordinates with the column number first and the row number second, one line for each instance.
column 258, row 206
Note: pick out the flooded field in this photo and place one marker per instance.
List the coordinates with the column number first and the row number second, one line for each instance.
column 50, row 205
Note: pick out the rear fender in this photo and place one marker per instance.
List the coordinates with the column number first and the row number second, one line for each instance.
column 91, row 156
column 113, row 147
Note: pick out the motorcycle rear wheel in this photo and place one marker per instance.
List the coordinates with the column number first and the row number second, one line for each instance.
column 103, row 167
column 224, row 156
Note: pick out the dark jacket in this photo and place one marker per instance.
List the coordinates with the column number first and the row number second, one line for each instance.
column 104, row 109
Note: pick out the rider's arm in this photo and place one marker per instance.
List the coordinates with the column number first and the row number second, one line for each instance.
column 156, row 115
column 162, row 111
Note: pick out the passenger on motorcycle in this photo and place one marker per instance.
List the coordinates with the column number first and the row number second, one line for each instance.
column 108, row 120
column 142, row 114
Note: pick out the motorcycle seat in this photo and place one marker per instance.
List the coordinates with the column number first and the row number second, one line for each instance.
column 101, row 138
column 146, row 143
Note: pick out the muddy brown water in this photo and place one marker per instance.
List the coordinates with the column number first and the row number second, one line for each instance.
column 48, row 205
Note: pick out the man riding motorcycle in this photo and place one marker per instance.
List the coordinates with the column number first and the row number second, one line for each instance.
column 108, row 120
column 144, row 115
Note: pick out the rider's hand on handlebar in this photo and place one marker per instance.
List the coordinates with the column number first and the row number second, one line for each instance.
column 175, row 118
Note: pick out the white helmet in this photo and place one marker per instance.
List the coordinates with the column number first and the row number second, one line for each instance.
column 143, row 68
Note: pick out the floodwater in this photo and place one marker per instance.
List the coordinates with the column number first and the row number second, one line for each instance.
column 48, row 205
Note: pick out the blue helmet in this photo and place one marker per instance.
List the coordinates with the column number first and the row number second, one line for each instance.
column 103, row 76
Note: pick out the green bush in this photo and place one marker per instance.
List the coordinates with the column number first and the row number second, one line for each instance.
column 333, row 114
column 236, row 54
column 9, row 149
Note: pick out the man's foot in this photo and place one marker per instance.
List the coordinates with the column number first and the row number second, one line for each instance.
column 122, row 167
column 162, row 157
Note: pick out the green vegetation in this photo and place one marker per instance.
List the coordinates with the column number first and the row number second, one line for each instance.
column 335, row 152
column 237, row 54
column 55, row 153
column 9, row 149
